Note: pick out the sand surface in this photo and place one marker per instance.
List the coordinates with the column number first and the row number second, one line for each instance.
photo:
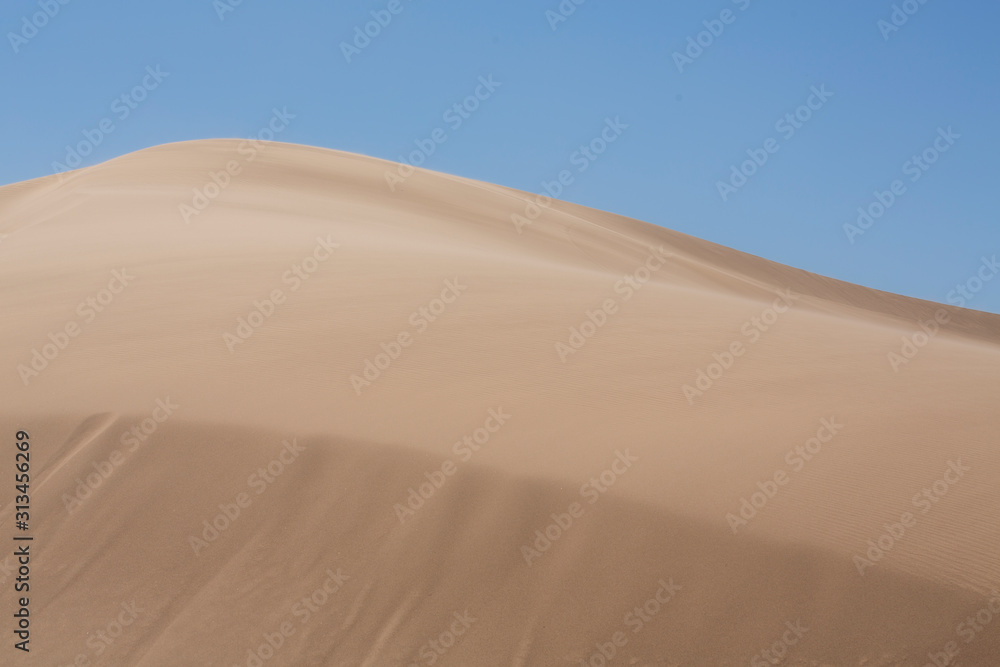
column 453, row 437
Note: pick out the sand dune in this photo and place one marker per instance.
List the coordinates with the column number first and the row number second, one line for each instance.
column 283, row 414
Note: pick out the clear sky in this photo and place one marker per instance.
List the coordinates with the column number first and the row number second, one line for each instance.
column 922, row 84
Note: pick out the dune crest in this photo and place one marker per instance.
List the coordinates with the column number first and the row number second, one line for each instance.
column 284, row 414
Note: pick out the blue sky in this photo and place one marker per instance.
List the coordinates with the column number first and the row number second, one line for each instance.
column 887, row 93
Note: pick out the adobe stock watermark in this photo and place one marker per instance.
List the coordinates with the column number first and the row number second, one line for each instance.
column 562, row 12
column 303, row 610
column 223, row 7
column 924, row 500
column 595, row 319
column 294, row 277
column 752, row 329
column 464, row 449
column 420, row 320
column 915, row 168
column 87, row 311
column 899, row 17
column 592, row 491
column 434, row 649
column 779, row 648
column 787, row 126
column 30, row 26
column 102, row 639
column 965, row 292
column 913, row 343
column 973, row 626
column 121, row 108
column 454, row 116
column 258, row 482
column 796, row 458
column 131, row 440
column 363, row 35
column 582, row 159
column 697, row 44
column 248, row 150
column 635, row 620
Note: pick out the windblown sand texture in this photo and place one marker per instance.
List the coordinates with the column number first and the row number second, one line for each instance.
column 497, row 490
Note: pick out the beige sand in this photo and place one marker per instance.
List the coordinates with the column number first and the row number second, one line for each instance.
column 701, row 508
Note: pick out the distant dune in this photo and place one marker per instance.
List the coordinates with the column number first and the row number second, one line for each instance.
column 280, row 413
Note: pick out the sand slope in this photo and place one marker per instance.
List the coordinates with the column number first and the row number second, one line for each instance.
column 723, row 454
